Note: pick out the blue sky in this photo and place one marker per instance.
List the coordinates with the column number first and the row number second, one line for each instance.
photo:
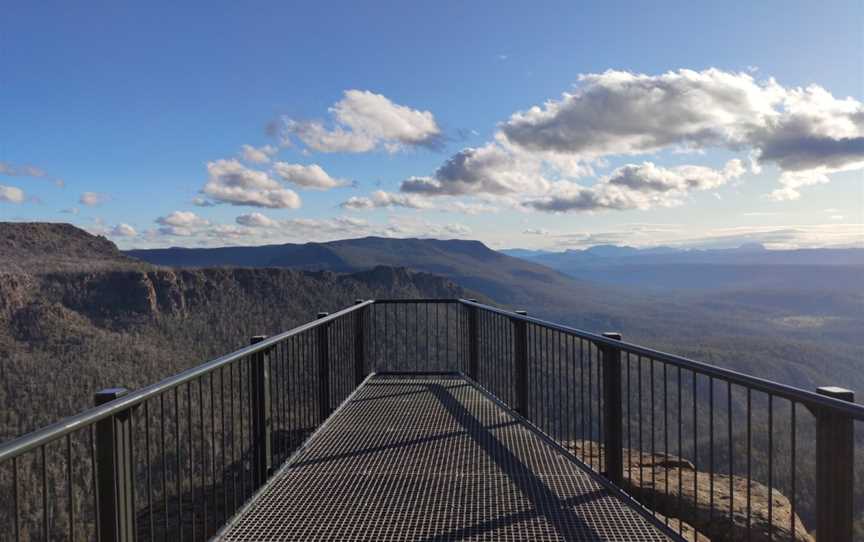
column 110, row 115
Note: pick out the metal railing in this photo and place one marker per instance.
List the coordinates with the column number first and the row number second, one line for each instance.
column 176, row 459
column 633, row 414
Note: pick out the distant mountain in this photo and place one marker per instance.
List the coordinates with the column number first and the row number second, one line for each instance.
column 747, row 254
column 757, row 324
column 514, row 281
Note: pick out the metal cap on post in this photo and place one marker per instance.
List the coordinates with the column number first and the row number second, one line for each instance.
column 520, row 362
column 835, row 451
column 262, row 428
column 613, row 423
column 114, row 471
column 323, row 340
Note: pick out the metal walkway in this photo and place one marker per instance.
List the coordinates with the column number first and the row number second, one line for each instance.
column 414, row 457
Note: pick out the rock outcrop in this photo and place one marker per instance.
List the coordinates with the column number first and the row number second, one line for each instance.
column 673, row 487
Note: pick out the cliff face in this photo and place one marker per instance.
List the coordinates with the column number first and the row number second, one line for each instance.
column 118, row 299
column 129, row 328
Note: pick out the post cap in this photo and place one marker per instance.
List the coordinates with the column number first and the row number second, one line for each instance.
column 837, row 393
column 322, row 314
column 612, row 335
column 255, row 339
column 108, row 394
column 521, row 312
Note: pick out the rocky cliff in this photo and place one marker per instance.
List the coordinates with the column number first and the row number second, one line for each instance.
column 705, row 511
column 64, row 335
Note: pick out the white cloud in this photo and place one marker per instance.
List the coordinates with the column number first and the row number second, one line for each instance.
column 92, row 199
column 231, row 182
column 379, row 199
column 620, row 113
column 537, row 153
column 28, row 171
column 792, row 181
column 491, row 170
column 536, row 231
column 257, row 155
column 10, row 194
column 123, row 230
column 256, row 220
column 636, row 186
column 364, row 121
column 183, row 219
column 312, row 176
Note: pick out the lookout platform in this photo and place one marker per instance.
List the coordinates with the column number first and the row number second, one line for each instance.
column 435, row 457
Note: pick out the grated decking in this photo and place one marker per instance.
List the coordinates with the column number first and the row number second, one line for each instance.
column 413, row 457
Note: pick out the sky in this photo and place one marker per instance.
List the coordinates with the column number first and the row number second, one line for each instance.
column 547, row 125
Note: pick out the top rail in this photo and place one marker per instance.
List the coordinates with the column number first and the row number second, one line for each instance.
column 805, row 397
column 73, row 423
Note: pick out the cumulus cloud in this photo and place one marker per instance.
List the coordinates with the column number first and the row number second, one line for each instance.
column 537, row 153
column 490, row 169
column 11, row 194
column 257, row 155
column 792, row 181
column 256, row 220
column 312, row 176
column 123, row 230
column 364, row 121
column 181, row 224
column 636, row 186
column 182, row 219
column 380, row 199
column 231, row 182
column 620, row 113
column 92, row 199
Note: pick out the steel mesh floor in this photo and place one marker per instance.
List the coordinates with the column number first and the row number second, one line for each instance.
column 433, row 458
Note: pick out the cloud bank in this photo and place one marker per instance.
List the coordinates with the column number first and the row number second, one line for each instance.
column 538, row 154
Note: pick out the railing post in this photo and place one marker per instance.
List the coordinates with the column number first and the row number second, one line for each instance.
column 359, row 343
column 262, row 444
column 835, row 450
column 323, row 336
column 520, row 363
column 613, row 423
column 114, row 471
column 473, row 341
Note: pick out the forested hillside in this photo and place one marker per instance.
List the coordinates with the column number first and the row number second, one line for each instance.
column 65, row 335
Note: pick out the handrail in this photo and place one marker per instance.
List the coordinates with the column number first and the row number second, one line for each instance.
column 805, row 397
column 507, row 351
column 49, row 433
